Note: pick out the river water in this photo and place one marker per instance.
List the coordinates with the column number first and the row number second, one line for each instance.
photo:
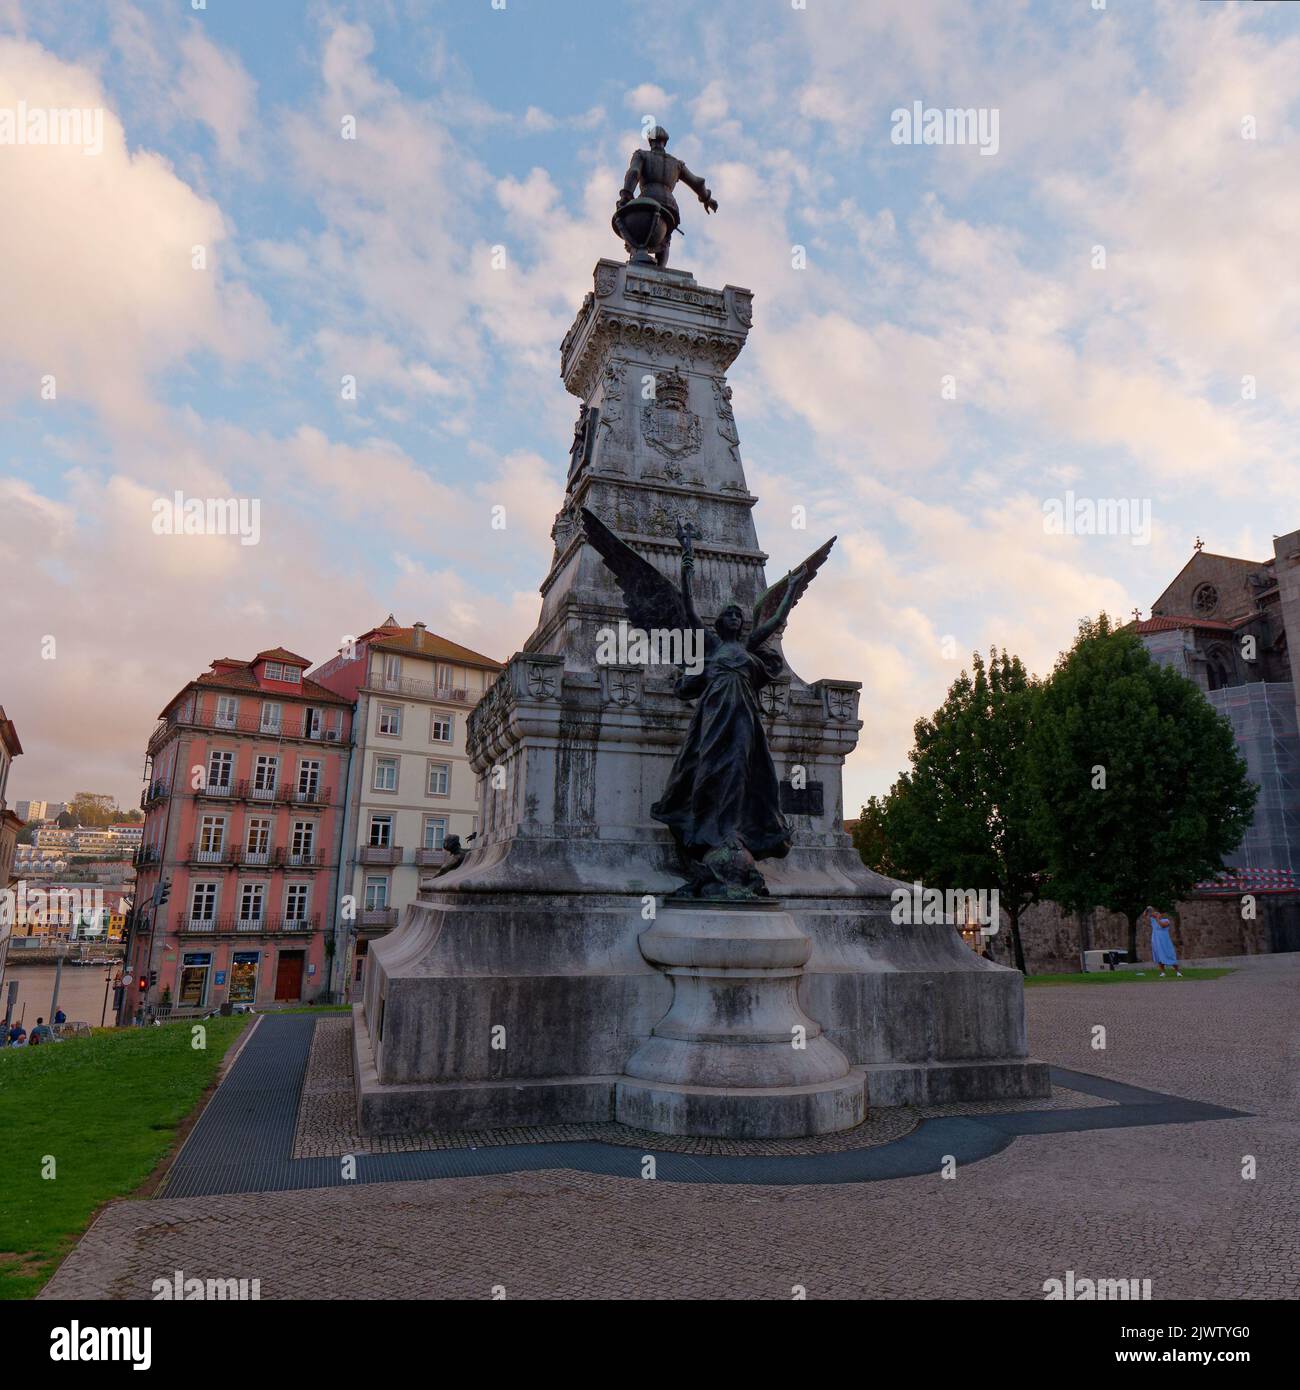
column 81, row 992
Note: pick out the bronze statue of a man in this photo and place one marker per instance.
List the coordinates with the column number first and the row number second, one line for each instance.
column 658, row 173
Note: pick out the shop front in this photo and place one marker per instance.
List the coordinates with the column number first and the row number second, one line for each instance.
column 243, row 977
column 192, row 991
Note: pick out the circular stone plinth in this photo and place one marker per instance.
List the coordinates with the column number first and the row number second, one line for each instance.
column 735, row 1056
column 767, row 1112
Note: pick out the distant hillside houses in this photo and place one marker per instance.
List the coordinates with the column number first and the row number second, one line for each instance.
column 101, row 841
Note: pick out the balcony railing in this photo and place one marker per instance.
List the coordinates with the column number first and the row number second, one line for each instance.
column 311, row 796
column 247, row 790
column 153, row 794
column 245, row 926
column 377, row 917
column 294, row 859
column 146, row 854
column 234, row 857
column 431, row 858
column 294, row 723
column 425, row 690
column 379, row 854
column 243, row 790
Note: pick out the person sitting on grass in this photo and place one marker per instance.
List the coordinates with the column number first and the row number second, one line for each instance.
column 1162, row 944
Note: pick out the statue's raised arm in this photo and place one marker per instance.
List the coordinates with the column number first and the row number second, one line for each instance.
column 686, row 538
column 773, row 609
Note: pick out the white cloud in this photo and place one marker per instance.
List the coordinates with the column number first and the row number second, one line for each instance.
column 215, row 89
column 98, row 251
column 647, row 99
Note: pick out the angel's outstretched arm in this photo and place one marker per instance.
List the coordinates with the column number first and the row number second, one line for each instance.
column 777, row 621
column 688, row 600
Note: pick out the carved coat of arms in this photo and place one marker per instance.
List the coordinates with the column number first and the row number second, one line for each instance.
column 667, row 424
column 606, row 278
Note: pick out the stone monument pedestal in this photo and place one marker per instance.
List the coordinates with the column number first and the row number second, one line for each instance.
column 735, row 1056
column 527, row 987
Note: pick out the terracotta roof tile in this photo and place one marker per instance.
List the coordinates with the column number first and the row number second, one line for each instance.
column 1164, row 623
column 402, row 639
column 243, row 679
column 281, row 654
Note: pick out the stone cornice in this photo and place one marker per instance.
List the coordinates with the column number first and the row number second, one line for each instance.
column 653, row 316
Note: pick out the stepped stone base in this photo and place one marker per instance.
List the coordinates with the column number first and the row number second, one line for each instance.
column 768, row 1112
column 914, row 1012
column 452, row 1106
column 957, row 1083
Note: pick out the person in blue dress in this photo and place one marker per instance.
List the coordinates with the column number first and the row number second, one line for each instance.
column 1162, row 943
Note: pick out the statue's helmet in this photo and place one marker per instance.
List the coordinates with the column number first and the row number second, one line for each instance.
column 658, row 136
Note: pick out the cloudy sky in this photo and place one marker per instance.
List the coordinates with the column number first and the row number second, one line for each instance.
column 1164, row 133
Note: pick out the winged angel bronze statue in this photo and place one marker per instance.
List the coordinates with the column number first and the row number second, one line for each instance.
column 722, row 802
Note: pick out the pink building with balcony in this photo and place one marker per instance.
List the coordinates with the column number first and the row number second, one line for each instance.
column 237, row 872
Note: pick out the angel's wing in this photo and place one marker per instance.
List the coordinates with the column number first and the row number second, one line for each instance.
column 651, row 600
column 771, row 600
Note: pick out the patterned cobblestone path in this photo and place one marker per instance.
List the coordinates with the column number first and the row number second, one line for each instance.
column 1131, row 1183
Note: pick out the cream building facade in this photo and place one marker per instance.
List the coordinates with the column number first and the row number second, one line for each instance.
column 410, row 784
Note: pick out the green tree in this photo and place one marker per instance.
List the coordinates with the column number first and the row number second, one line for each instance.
column 871, row 840
column 963, row 816
column 93, row 808
column 1139, row 787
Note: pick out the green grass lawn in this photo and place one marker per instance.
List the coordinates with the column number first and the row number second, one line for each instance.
column 105, row 1109
column 1125, row 977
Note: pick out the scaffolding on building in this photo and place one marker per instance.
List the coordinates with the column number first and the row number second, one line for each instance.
column 1263, row 718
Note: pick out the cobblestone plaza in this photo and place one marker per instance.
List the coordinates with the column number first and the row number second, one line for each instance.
column 1143, row 1196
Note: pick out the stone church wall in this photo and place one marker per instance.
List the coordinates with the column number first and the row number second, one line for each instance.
column 1203, row 927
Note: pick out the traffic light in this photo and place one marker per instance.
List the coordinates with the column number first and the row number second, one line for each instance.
column 164, row 891
column 144, row 984
column 153, row 978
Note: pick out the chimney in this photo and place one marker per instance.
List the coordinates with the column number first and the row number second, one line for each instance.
column 419, row 635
